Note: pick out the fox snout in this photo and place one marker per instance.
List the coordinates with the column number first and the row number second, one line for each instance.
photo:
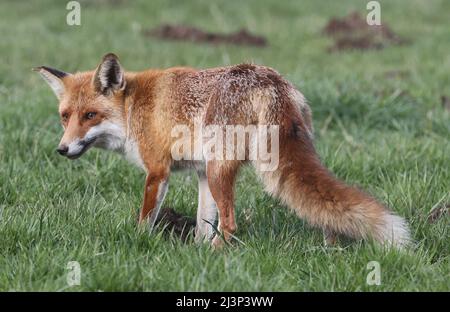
column 107, row 135
column 62, row 149
column 76, row 148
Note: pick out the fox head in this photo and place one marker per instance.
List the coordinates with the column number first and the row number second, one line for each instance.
column 90, row 106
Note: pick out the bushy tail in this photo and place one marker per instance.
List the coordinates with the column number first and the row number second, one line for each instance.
column 316, row 195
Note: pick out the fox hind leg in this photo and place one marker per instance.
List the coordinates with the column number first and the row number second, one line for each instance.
column 221, row 178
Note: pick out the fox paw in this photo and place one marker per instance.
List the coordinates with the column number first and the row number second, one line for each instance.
column 217, row 243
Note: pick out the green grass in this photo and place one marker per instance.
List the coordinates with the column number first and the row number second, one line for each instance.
column 388, row 135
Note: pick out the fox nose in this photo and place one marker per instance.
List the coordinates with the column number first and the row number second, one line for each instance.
column 62, row 149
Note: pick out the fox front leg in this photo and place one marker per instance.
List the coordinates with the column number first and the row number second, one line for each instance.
column 155, row 190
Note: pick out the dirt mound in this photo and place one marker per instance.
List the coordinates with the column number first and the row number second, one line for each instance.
column 174, row 222
column 353, row 32
column 188, row 33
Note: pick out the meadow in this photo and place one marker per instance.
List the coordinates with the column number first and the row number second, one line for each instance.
column 378, row 118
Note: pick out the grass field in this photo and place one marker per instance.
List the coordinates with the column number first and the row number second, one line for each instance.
column 387, row 133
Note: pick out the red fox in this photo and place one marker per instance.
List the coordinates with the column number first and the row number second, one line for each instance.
column 134, row 113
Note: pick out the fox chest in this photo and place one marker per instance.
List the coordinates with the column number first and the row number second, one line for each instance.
column 132, row 153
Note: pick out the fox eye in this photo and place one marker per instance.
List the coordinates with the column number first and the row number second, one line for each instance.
column 65, row 116
column 90, row 115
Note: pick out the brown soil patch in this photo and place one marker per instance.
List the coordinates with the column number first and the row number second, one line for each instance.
column 188, row 33
column 353, row 32
column 174, row 222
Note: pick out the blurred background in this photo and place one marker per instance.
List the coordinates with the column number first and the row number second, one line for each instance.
column 414, row 65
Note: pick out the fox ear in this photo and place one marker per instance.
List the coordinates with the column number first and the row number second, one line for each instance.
column 109, row 76
column 54, row 78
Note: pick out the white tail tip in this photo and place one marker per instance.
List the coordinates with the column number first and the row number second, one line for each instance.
column 395, row 232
